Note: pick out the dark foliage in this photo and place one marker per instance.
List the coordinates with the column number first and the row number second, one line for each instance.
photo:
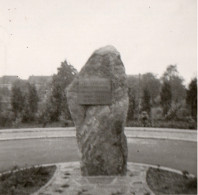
column 132, row 104
column 172, row 77
column 191, row 98
column 166, row 97
column 31, row 103
column 146, row 101
column 17, row 100
column 58, row 100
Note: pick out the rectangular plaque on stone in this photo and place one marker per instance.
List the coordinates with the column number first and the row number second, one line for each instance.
column 94, row 91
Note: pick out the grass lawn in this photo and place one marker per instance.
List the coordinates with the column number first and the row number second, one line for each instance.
column 26, row 181
column 166, row 182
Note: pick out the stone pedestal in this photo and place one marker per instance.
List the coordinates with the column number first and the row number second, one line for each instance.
column 100, row 127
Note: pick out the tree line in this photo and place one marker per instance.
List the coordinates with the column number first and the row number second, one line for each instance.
column 164, row 98
column 39, row 106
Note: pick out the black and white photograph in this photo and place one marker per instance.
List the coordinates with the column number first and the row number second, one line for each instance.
column 98, row 97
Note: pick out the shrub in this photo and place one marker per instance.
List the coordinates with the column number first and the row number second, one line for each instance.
column 144, row 118
column 157, row 113
column 6, row 118
column 16, row 123
column 192, row 124
column 182, row 113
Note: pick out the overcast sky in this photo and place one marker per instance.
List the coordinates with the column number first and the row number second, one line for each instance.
column 36, row 35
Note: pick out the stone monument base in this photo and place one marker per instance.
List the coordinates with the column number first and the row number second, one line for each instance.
column 68, row 180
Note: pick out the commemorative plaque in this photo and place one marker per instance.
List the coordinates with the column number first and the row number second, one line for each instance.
column 95, row 91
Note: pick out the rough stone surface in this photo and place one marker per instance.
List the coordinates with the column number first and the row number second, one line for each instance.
column 100, row 128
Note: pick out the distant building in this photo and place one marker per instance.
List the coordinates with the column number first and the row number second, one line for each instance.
column 7, row 81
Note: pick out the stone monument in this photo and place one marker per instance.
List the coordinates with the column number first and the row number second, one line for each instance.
column 98, row 103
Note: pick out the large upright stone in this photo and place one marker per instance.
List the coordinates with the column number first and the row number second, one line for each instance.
column 100, row 128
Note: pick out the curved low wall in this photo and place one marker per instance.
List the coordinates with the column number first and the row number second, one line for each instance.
column 131, row 132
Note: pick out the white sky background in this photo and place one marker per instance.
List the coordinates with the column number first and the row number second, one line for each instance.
column 36, row 35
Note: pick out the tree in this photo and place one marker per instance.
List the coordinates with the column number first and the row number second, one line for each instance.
column 172, row 76
column 134, row 87
column 31, row 103
column 132, row 104
column 60, row 81
column 166, row 97
column 1, row 107
column 4, row 99
column 45, row 110
column 146, row 101
column 150, row 82
column 32, row 98
column 191, row 98
column 17, row 100
column 24, row 100
column 137, row 83
column 134, row 96
column 171, row 71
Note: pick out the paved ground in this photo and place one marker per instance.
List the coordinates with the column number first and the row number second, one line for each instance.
column 181, row 155
column 68, row 180
column 175, row 134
